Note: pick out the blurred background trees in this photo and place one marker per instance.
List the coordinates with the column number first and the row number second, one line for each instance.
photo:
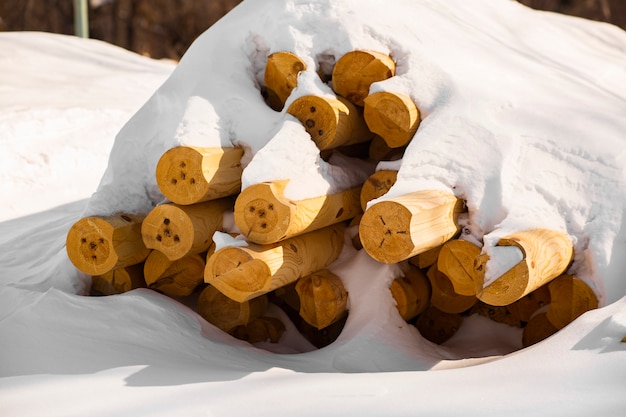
column 166, row 28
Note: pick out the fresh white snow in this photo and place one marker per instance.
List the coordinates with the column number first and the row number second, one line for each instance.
column 524, row 116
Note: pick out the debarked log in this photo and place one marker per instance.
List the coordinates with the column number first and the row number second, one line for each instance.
column 323, row 298
column 264, row 215
column 99, row 244
column 392, row 116
column 188, row 175
column 118, row 281
column 281, row 77
column 177, row 278
column 331, row 122
column 377, row 185
column 225, row 313
column 570, row 297
column 401, row 227
column 438, row 326
column 177, row 230
column 546, row 254
column 357, row 70
column 443, row 295
column 245, row 272
column 456, row 261
column 411, row 292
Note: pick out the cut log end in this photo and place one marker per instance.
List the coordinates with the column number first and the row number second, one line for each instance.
column 570, row 298
column 260, row 213
column 281, row 77
column 90, row 246
column 323, row 298
column 168, row 229
column 412, row 293
column 392, row 116
column 377, row 185
column 225, row 313
column 385, row 232
column 357, row 70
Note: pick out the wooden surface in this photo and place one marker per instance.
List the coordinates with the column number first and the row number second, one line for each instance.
column 188, row 175
column 380, row 151
column 392, row 116
column 396, row 229
column 262, row 329
column 456, row 261
column 377, row 185
column 118, row 281
column 570, row 298
column 246, row 272
column 281, row 77
column 538, row 328
column 96, row 245
column 426, row 259
column 547, row 254
column 225, row 313
column 323, row 298
column 357, row 70
column 528, row 305
column 177, row 230
column 443, row 296
column 411, row 292
column 177, row 278
column 264, row 215
column 438, row 326
column 331, row 122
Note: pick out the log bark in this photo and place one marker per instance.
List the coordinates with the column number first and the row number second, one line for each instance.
column 118, row 281
column 264, row 215
column 225, row 313
column 323, row 298
column 246, row 272
column 392, row 116
column 443, row 296
column 281, row 77
column 537, row 329
column 456, row 261
column 396, row 229
column 357, row 70
column 177, row 230
column 377, row 185
column 437, row 326
column 546, row 255
column 189, row 175
column 412, row 293
column 331, row 122
column 99, row 244
column 177, row 278
column 570, row 298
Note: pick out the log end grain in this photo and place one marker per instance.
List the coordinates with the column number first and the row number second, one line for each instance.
column 392, row 116
column 357, row 70
column 168, row 229
column 323, row 298
column 281, row 77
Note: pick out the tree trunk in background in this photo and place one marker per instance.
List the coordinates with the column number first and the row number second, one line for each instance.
column 166, row 28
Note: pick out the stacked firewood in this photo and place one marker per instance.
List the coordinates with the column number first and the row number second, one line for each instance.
column 289, row 244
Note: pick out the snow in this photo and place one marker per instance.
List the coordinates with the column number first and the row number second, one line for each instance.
column 524, row 115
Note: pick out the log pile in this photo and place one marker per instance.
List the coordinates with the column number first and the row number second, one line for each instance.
column 290, row 244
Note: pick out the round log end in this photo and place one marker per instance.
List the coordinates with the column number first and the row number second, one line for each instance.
column 260, row 214
column 323, row 298
column 319, row 116
column 392, row 116
column 281, row 77
column 168, row 229
column 377, row 185
column 180, row 177
column 357, row 70
column 89, row 245
column 225, row 313
column 385, row 232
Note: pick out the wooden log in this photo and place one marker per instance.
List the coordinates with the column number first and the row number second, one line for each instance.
column 225, row 313
column 264, row 215
column 499, row 314
column 527, row 306
column 425, row 259
column 396, row 229
column 177, row 230
column 380, row 151
column 177, row 278
column 537, row 329
column 392, row 116
column 324, row 337
column 546, row 254
column 246, row 272
column 281, row 77
column 99, row 244
column 437, row 326
column 357, row 70
column 456, row 261
column 118, row 281
column 262, row 329
column 570, row 297
column 323, row 298
column 331, row 122
column 377, row 185
column 189, row 175
column 356, row 239
column 443, row 296
column 412, row 293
